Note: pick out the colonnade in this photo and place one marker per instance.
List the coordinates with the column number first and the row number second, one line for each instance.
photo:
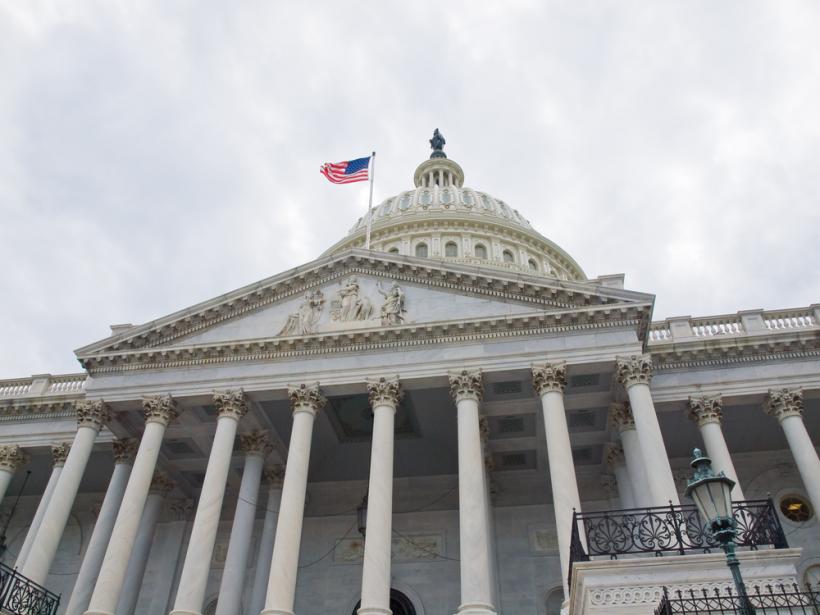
column 114, row 562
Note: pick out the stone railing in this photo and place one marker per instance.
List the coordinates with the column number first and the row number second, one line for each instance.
column 742, row 323
column 43, row 385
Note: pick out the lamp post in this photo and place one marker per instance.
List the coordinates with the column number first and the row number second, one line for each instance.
column 713, row 497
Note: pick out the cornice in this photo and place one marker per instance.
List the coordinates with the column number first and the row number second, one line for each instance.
column 736, row 351
column 38, row 410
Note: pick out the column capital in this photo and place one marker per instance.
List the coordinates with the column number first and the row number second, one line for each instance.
column 125, row 450
column 620, row 416
column 549, row 377
column 94, row 414
column 231, row 403
column 306, row 398
column 615, row 455
column 274, row 475
column 256, row 443
column 466, row 384
column 783, row 403
column 706, row 409
column 160, row 409
column 610, row 485
column 59, row 453
column 633, row 370
column 161, row 484
column 384, row 391
column 12, row 457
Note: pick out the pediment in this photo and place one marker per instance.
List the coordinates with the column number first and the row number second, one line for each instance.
column 362, row 295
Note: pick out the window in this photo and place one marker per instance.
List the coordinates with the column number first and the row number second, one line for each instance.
column 795, row 508
column 421, row 250
column 450, row 249
column 480, row 251
column 533, row 265
column 393, row 250
column 508, row 256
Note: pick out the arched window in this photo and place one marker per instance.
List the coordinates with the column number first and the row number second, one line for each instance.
column 393, row 250
column 421, row 250
column 554, row 601
column 508, row 256
column 480, row 251
column 450, row 249
column 533, row 265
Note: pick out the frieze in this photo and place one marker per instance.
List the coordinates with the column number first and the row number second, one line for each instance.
column 411, row 548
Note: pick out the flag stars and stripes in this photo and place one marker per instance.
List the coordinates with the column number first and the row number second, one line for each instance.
column 347, row 172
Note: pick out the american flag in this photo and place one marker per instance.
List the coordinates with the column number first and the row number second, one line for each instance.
column 346, row 172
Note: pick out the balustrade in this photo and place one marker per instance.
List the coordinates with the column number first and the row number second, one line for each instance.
column 20, row 595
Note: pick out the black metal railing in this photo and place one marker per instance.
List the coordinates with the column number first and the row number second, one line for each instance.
column 668, row 529
column 21, row 596
column 769, row 600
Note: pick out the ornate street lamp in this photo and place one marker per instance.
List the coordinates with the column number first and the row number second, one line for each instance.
column 361, row 516
column 713, row 497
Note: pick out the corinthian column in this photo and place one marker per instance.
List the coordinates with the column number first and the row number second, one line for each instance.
column 159, row 411
column 256, row 446
column 384, row 396
column 549, row 381
column 787, row 406
column 617, row 463
column 161, row 486
column 273, row 477
column 474, row 531
column 634, row 373
column 59, row 453
column 231, row 406
column 620, row 416
column 124, row 451
column 306, row 401
column 707, row 412
column 91, row 416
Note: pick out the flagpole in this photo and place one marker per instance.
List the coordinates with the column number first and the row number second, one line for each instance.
column 372, row 175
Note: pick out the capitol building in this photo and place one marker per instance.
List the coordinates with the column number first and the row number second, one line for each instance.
column 453, row 418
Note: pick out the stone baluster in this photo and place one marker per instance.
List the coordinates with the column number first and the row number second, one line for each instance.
column 161, row 486
column 231, row 406
column 549, row 381
column 620, row 416
column 124, row 452
column 59, row 453
column 707, row 412
column 159, row 412
column 476, row 577
column 787, row 406
column 91, row 417
column 273, row 476
column 617, row 464
column 634, row 373
column 306, row 401
column 256, row 447
column 384, row 394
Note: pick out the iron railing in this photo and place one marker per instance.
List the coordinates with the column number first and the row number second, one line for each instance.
column 22, row 596
column 769, row 600
column 668, row 529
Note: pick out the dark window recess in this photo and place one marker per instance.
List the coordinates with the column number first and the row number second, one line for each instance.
column 581, row 455
column 178, row 447
column 584, row 380
column 512, row 460
column 195, row 478
column 584, row 418
column 507, row 388
column 511, row 424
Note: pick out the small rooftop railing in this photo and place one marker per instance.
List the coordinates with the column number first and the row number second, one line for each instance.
column 669, row 530
column 728, row 325
column 769, row 600
column 21, row 596
column 44, row 385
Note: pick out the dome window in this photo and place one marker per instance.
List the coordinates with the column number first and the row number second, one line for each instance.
column 421, row 250
column 450, row 249
column 533, row 265
column 508, row 256
column 480, row 251
column 404, row 202
column 393, row 251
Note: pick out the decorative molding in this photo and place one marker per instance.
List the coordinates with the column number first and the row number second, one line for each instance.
column 274, row 475
column 466, row 384
column 549, row 377
column 94, row 414
column 737, row 353
column 783, row 403
column 181, row 509
column 633, row 370
column 32, row 410
column 160, row 409
column 706, row 409
column 161, row 484
column 411, row 548
column 306, row 398
column 125, row 449
column 620, row 416
column 384, row 391
column 12, row 457
column 615, row 455
column 59, row 453
column 256, row 443
column 231, row 403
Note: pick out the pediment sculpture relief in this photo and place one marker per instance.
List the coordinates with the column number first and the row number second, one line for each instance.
column 392, row 312
column 349, row 305
column 305, row 319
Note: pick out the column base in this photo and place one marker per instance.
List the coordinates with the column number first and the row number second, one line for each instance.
column 183, row 612
column 373, row 610
column 476, row 608
column 276, row 612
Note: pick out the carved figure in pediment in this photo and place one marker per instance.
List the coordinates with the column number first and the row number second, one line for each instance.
column 393, row 307
column 304, row 320
column 350, row 305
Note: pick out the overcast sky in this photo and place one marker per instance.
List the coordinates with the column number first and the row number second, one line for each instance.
column 154, row 154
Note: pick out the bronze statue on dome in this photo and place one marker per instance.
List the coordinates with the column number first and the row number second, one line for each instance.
column 437, row 143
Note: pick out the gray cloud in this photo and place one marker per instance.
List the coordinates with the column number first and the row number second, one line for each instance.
column 160, row 153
